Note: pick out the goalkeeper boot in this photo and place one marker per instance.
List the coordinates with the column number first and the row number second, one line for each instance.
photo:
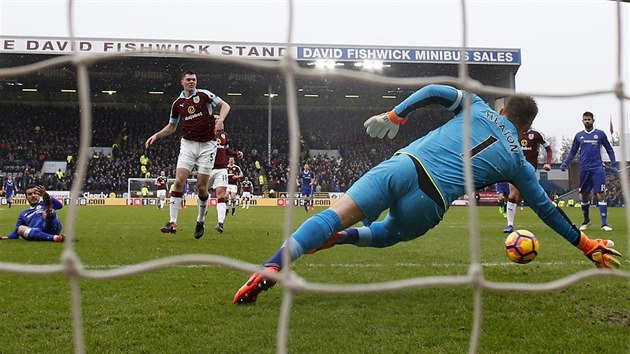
column 59, row 238
column 332, row 240
column 509, row 229
column 169, row 228
column 199, row 229
column 219, row 227
column 256, row 284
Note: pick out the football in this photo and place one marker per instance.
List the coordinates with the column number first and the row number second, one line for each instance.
column 521, row 246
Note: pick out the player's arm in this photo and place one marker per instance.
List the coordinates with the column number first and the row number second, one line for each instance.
column 610, row 152
column 388, row 123
column 224, row 109
column 571, row 155
column 234, row 153
column 547, row 165
column 598, row 251
column 168, row 129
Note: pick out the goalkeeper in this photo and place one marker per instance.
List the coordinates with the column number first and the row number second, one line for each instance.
column 421, row 180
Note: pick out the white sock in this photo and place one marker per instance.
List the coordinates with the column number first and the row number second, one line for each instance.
column 511, row 213
column 202, row 206
column 221, row 208
column 176, row 204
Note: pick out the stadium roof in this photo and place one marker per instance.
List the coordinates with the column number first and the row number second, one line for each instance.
column 154, row 78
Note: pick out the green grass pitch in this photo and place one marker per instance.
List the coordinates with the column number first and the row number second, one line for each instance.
column 188, row 309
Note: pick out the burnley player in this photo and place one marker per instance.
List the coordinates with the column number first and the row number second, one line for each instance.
column 40, row 221
column 234, row 174
column 247, row 187
column 194, row 108
column 589, row 143
column 219, row 178
column 162, row 186
column 531, row 141
column 9, row 190
column 305, row 181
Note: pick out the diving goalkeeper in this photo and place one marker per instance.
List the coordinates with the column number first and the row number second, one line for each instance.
column 421, row 180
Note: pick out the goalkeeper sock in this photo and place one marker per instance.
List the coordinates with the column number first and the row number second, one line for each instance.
column 312, row 233
column 603, row 211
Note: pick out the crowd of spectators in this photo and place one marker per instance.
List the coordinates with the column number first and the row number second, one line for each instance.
column 31, row 135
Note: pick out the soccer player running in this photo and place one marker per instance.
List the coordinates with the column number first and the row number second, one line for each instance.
column 421, row 180
column 247, row 187
column 531, row 141
column 9, row 190
column 219, row 177
column 305, row 181
column 194, row 108
column 162, row 185
column 589, row 143
column 234, row 174
column 39, row 222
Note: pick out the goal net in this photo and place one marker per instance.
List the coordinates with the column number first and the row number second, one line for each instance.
column 71, row 267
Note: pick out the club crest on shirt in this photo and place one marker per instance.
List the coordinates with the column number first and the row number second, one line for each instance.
column 530, row 136
column 196, row 99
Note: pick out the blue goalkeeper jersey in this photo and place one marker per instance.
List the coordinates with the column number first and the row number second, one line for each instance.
column 495, row 151
column 589, row 145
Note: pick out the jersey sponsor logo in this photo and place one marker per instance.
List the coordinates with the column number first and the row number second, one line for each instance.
column 191, row 109
column 193, row 116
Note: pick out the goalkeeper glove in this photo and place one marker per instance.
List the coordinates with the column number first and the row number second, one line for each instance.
column 384, row 123
column 599, row 253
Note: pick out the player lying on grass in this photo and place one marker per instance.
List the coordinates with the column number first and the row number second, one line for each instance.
column 40, row 221
column 421, row 180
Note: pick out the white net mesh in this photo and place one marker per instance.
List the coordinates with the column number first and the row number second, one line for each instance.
column 71, row 263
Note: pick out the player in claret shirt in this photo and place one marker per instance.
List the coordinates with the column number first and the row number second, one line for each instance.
column 195, row 109
column 219, row 179
column 234, row 174
column 531, row 141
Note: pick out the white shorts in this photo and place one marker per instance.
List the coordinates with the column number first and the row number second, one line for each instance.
column 193, row 153
column 161, row 193
column 247, row 194
column 218, row 178
column 231, row 188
